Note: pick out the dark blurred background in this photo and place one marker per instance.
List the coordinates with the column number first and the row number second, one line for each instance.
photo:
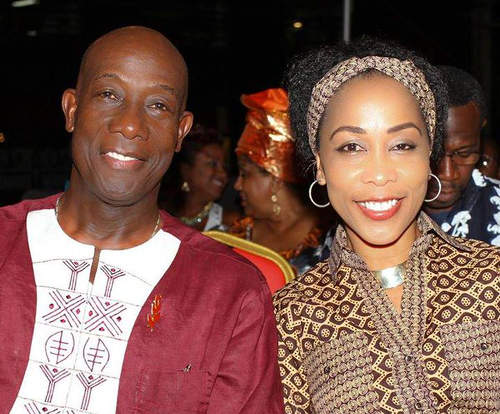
column 231, row 47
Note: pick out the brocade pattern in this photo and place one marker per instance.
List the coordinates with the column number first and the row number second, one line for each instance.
column 344, row 349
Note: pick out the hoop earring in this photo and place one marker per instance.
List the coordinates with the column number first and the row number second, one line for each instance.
column 439, row 189
column 311, row 197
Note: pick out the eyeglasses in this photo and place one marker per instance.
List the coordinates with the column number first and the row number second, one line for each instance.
column 464, row 157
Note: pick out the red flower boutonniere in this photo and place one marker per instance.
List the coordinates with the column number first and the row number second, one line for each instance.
column 154, row 315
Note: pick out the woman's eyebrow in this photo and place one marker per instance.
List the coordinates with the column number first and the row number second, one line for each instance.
column 349, row 128
column 403, row 126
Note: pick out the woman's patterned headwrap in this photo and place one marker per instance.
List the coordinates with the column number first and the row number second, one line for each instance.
column 267, row 138
column 403, row 71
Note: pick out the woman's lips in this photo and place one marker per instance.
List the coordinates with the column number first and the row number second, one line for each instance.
column 380, row 209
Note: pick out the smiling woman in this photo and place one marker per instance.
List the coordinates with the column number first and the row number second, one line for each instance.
column 271, row 190
column 196, row 181
column 371, row 329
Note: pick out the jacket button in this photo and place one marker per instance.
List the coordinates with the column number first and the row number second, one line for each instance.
column 408, row 358
column 484, row 346
column 326, row 370
column 418, row 406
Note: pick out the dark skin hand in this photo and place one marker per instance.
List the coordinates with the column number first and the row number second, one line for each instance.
column 127, row 115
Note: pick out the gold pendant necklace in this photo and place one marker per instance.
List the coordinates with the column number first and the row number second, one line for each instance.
column 392, row 276
column 193, row 221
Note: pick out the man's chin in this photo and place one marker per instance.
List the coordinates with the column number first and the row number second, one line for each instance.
column 444, row 202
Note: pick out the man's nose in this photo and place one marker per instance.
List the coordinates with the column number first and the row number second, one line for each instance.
column 130, row 122
column 446, row 169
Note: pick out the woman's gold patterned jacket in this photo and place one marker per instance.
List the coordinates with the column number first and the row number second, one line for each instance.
column 343, row 348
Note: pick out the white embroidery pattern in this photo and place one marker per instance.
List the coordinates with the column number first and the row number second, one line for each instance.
column 459, row 225
column 82, row 329
column 478, row 178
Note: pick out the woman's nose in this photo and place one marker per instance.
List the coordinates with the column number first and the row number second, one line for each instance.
column 379, row 170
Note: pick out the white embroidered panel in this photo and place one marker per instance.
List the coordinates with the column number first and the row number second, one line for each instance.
column 81, row 330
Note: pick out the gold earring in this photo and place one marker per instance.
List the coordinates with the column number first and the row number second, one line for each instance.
column 276, row 206
column 185, row 187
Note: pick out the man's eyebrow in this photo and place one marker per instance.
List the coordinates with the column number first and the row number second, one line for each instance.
column 403, row 126
column 169, row 89
column 107, row 75
column 354, row 129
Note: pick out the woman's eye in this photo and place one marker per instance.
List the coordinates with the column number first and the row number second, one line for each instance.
column 351, row 147
column 403, row 147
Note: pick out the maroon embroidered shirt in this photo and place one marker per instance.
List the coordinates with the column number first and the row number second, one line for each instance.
column 212, row 348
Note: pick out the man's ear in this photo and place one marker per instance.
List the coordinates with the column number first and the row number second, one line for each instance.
column 69, row 105
column 185, row 124
column 320, row 174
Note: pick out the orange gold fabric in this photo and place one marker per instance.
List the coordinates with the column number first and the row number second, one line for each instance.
column 267, row 139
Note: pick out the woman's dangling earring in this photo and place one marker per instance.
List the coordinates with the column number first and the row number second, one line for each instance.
column 185, row 187
column 429, row 200
column 276, row 206
column 311, row 197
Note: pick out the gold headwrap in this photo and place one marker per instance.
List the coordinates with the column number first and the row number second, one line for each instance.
column 403, row 71
column 267, row 139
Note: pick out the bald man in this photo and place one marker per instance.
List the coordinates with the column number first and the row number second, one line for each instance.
column 108, row 304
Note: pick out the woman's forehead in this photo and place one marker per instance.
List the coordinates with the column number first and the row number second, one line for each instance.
column 373, row 97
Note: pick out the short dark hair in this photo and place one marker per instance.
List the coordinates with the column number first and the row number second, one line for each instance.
column 306, row 69
column 463, row 88
column 198, row 138
column 171, row 196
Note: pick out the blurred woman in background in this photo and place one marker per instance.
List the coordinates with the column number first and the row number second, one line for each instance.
column 198, row 176
column 272, row 193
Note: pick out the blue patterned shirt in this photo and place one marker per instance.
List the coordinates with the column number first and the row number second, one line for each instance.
column 476, row 215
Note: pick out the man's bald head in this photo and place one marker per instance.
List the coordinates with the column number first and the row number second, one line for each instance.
column 139, row 41
column 129, row 102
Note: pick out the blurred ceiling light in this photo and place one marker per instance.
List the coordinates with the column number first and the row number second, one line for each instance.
column 24, row 3
column 298, row 24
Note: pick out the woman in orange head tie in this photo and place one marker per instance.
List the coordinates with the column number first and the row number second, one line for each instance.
column 271, row 192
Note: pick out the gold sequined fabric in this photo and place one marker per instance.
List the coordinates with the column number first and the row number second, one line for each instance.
column 344, row 349
column 404, row 71
column 267, row 138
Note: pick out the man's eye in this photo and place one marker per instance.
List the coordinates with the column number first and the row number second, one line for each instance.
column 352, row 147
column 108, row 95
column 159, row 106
column 464, row 154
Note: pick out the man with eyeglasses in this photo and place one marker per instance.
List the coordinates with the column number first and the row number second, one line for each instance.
column 468, row 204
